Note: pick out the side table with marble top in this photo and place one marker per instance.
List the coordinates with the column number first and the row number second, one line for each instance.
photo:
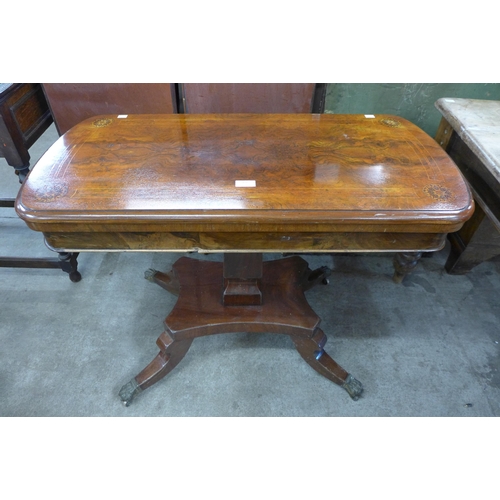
column 470, row 133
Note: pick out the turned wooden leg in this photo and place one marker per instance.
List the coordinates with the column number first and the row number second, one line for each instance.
column 404, row 263
column 22, row 172
column 69, row 264
column 171, row 353
column 312, row 350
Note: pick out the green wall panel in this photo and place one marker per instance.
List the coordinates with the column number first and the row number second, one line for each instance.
column 413, row 101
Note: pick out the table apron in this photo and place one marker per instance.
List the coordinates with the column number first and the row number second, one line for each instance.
column 245, row 242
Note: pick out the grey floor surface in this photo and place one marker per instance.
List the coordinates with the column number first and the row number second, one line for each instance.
column 428, row 347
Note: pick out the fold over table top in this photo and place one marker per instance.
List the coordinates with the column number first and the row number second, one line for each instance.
column 318, row 171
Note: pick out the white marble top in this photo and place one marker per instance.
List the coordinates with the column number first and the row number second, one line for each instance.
column 4, row 87
column 477, row 122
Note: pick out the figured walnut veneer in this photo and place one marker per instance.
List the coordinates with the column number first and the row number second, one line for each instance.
column 167, row 182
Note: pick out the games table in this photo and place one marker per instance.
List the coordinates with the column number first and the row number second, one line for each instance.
column 243, row 185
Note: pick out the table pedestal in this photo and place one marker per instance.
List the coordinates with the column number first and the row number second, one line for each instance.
column 275, row 292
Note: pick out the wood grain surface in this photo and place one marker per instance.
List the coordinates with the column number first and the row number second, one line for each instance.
column 178, row 173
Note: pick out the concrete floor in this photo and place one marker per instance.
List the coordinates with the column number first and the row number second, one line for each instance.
column 428, row 347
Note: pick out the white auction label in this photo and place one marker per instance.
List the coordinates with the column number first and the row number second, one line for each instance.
column 245, row 184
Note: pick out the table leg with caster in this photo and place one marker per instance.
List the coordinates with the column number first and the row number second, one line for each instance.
column 311, row 349
column 404, row 263
column 69, row 264
column 170, row 355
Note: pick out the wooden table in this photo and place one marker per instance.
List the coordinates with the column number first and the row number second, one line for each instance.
column 470, row 133
column 243, row 185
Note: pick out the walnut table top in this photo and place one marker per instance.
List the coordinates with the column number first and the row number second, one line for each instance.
column 182, row 182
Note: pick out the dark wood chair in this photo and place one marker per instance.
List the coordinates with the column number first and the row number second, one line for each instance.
column 24, row 117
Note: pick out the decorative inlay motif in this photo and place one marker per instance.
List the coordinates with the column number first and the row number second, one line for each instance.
column 390, row 122
column 347, row 152
column 52, row 191
column 102, row 122
column 438, row 192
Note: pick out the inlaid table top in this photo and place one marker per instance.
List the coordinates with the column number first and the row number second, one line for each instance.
column 245, row 172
